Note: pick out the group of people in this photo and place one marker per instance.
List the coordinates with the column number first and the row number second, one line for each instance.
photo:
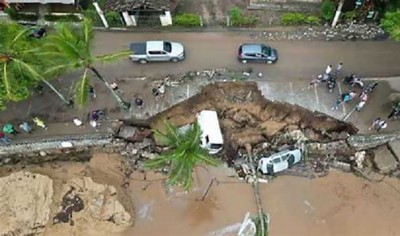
column 9, row 129
column 93, row 117
column 329, row 76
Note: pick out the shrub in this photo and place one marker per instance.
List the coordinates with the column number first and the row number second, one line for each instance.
column 328, row 10
column 113, row 18
column 313, row 20
column 15, row 15
column 65, row 18
column 350, row 15
column 238, row 19
column 187, row 20
column 92, row 14
column 391, row 24
column 293, row 18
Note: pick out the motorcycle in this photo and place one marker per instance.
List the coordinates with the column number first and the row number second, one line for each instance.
column 353, row 81
column 395, row 113
column 331, row 83
column 366, row 92
column 38, row 33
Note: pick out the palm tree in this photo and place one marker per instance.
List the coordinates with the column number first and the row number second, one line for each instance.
column 75, row 47
column 19, row 65
column 183, row 154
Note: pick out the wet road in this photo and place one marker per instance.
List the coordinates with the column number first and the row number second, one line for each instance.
column 298, row 59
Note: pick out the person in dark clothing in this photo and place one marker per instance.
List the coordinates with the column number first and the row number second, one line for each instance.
column 139, row 102
column 92, row 92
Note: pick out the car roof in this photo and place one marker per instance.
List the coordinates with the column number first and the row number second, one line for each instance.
column 252, row 48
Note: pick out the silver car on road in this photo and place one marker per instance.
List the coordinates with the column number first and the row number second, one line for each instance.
column 156, row 51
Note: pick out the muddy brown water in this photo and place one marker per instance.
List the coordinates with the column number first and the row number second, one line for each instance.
column 338, row 204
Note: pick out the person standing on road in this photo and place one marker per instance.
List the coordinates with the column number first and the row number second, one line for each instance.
column 25, row 127
column 328, row 69
column 4, row 138
column 139, row 102
column 363, row 100
column 92, row 92
column 378, row 124
column 339, row 68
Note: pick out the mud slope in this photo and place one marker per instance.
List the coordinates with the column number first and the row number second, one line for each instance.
column 247, row 117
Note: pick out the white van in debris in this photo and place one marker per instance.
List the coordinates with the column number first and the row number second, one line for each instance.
column 211, row 135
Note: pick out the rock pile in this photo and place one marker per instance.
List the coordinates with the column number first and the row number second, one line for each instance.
column 343, row 32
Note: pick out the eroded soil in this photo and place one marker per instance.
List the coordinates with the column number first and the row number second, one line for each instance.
column 246, row 117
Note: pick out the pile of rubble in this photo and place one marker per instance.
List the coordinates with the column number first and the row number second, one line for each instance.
column 342, row 32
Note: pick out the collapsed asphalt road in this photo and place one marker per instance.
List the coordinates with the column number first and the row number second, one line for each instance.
column 297, row 59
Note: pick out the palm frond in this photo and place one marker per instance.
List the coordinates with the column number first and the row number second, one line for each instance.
column 87, row 32
column 82, row 90
column 18, row 36
column 186, row 153
column 112, row 57
column 158, row 162
column 7, row 81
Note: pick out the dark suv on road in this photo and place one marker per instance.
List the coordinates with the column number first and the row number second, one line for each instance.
column 257, row 52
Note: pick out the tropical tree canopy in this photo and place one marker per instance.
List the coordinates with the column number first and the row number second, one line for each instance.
column 74, row 46
column 183, row 154
column 391, row 24
column 18, row 63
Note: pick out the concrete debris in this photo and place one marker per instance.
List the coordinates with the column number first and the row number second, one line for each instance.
column 347, row 31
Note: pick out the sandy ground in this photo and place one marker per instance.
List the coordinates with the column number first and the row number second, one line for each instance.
column 339, row 204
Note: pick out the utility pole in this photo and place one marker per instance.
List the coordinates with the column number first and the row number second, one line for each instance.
column 337, row 14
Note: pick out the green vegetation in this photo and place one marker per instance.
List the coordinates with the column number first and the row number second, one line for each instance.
column 328, row 10
column 183, row 155
column 350, row 15
column 238, row 19
column 187, row 20
column 294, row 18
column 93, row 16
column 20, row 64
column 15, row 15
column 113, row 18
column 391, row 24
column 64, row 18
column 74, row 48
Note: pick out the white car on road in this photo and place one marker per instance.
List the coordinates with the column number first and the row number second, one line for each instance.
column 279, row 161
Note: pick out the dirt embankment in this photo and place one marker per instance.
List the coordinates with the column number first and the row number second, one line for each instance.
column 247, row 117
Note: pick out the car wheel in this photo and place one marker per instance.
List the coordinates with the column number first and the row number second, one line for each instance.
column 142, row 61
column 244, row 61
column 174, row 59
column 291, row 161
column 269, row 62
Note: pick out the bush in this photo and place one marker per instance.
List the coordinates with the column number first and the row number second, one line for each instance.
column 15, row 15
column 293, row 18
column 238, row 19
column 187, row 20
column 313, row 20
column 328, row 10
column 65, row 18
column 113, row 18
column 391, row 24
column 92, row 14
column 350, row 15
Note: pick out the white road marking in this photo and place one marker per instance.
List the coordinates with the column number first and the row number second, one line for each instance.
column 316, row 96
column 340, row 94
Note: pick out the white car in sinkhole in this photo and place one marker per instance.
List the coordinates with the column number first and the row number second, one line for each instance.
column 280, row 161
